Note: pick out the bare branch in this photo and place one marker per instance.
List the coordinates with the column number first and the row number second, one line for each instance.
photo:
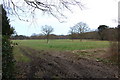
column 47, row 30
column 53, row 7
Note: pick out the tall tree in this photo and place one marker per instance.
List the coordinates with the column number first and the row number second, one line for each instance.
column 72, row 32
column 101, row 31
column 47, row 30
column 7, row 55
column 81, row 28
column 7, row 30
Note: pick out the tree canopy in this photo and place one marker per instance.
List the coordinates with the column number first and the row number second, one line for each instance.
column 79, row 29
column 101, row 31
column 47, row 30
column 102, row 27
column 6, row 28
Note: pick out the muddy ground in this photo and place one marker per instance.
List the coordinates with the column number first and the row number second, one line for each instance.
column 59, row 64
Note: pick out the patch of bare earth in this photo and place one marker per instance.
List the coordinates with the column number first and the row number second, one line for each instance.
column 56, row 64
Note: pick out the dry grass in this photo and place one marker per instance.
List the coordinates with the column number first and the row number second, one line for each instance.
column 113, row 52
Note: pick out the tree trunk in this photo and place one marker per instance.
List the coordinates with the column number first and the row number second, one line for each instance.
column 47, row 38
column 80, row 36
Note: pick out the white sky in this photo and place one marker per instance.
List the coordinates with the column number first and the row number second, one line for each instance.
column 97, row 12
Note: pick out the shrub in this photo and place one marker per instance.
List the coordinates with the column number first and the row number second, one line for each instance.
column 7, row 59
column 114, row 51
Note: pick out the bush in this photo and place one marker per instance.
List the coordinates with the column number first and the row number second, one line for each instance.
column 7, row 59
column 114, row 54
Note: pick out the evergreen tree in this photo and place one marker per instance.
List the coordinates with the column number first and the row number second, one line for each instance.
column 7, row 55
column 101, row 30
column 6, row 29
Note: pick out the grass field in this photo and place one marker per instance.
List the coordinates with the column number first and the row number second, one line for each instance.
column 63, row 45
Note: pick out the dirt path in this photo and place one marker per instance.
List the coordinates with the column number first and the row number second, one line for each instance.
column 56, row 64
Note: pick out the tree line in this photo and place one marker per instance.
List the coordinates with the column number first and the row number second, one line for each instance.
column 79, row 31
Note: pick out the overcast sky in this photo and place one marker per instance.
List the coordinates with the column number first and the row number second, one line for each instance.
column 97, row 12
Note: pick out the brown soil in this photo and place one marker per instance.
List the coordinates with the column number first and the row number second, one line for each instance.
column 56, row 64
column 98, row 53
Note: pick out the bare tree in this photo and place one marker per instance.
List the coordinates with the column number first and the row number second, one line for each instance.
column 53, row 7
column 72, row 32
column 81, row 28
column 47, row 30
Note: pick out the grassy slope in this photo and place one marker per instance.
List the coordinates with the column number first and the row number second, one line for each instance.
column 63, row 44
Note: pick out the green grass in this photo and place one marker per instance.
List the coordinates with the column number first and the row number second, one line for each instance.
column 18, row 55
column 63, row 45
